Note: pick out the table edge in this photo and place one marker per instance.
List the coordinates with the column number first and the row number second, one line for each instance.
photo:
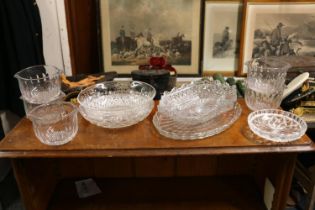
column 154, row 152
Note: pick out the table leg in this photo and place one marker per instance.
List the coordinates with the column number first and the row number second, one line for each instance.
column 282, row 180
column 36, row 179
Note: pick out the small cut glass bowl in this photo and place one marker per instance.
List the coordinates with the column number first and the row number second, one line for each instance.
column 55, row 123
column 39, row 84
column 116, row 104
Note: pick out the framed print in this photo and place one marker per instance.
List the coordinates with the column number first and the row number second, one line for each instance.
column 278, row 29
column 222, row 27
column 135, row 30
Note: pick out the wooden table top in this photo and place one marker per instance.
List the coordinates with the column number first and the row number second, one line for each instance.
column 142, row 140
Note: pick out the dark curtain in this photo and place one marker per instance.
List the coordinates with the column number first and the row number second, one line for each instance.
column 21, row 47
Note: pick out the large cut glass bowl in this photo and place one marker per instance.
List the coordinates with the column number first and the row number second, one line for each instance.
column 116, row 104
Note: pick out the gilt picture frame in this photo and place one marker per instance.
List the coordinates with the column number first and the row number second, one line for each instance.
column 222, row 29
column 134, row 30
column 277, row 29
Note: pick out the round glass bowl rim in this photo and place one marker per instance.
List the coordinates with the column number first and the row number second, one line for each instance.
column 113, row 82
column 72, row 112
column 58, row 72
column 287, row 114
column 280, row 69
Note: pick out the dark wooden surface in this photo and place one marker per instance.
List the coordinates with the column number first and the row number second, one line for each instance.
column 36, row 180
column 219, row 181
column 81, row 18
column 143, row 140
column 164, row 193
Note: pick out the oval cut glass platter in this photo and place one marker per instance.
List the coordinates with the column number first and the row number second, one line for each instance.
column 276, row 125
column 172, row 129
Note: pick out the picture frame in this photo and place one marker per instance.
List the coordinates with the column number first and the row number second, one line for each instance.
column 221, row 39
column 134, row 30
column 281, row 28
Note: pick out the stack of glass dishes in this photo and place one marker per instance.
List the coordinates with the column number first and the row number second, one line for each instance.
column 54, row 122
column 197, row 110
column 116, row 104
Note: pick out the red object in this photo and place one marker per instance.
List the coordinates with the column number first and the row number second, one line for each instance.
column 157, row 63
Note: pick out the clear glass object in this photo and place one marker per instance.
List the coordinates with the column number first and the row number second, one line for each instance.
column 28, row 106
column 276, row 125
column 198, row 101
column 39, row 84
column 265, row 82
column 166, row 126
column 55, row 123
column 116, row 104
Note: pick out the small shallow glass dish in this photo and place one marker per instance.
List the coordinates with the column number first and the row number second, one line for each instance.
column 116, row 104
column 39, row 84
column 55, row 123
column 197, row 102
column 276, row 125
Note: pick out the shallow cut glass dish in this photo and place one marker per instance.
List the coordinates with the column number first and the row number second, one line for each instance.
column 116, row 104
column 172, row 129
column 56, row 123
column 39, row 84
column 276, row 125
column 197, row 102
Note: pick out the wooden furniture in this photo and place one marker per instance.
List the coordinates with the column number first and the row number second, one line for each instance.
column 137, row 168
column 83, row 32
column 306, row 180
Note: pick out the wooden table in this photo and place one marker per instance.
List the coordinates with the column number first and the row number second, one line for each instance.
column 137, row 168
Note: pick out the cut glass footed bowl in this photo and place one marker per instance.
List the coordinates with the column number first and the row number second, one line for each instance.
column 116, row 104
column 197, row 102
column 277, row 125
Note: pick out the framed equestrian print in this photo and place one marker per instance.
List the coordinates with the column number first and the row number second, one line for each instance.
column 222, row 27
column 135, row 30
column 277, row 29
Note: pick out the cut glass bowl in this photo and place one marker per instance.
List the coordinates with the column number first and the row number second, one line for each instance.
column 197, row 102
column 39, row 84
column 56, row 123
column 171, row 129
column 277, row 125
column 116, row 104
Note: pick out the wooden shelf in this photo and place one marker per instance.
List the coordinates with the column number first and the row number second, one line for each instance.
column 198, row 193
column 140, row 151
column 143, row 140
